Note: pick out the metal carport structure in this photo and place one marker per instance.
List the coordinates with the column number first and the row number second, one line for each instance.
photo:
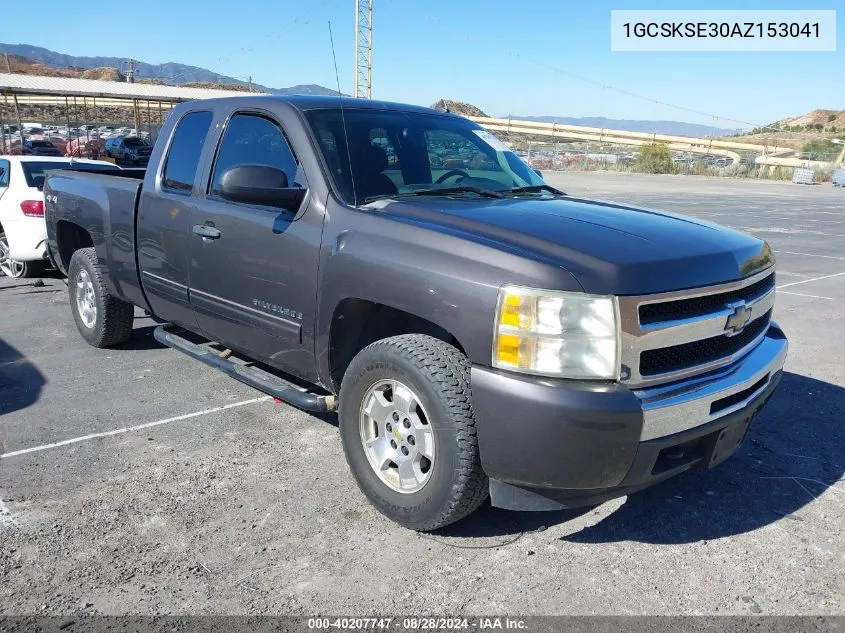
column 77, row 95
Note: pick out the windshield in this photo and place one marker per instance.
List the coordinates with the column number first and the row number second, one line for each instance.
column 134, row 141
column 396, row 152
column 34, row 171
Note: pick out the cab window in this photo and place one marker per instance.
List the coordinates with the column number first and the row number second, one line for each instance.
column 183, row 157
column 251, row 139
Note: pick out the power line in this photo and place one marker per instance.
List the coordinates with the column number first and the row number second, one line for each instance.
column 635, row 95
column 605, row 86
column 301, row 19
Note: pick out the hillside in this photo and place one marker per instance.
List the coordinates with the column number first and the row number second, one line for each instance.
column 805, row 132
column 829, row 120
column 170, row 73
column 24, row 66
column 457, row 107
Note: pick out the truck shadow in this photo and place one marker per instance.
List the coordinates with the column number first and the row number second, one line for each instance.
column 141, row 338
column 20, row 381
column 794, row 453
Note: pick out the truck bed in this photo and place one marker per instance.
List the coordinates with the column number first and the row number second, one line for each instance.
column 104, row 205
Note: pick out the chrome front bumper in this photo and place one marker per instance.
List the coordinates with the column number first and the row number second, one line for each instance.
column 670, row 409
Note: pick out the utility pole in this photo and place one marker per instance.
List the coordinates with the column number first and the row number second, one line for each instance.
column 250, row 83
column 130, row 71
column 17, row 109
column 363, row 49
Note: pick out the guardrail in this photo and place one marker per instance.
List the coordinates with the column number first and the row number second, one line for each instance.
column 708, row 146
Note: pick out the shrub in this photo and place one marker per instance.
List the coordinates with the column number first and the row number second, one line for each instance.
column 654, row 158
column 819, row 146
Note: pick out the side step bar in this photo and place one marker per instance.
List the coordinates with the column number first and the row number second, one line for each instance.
column 261, row 380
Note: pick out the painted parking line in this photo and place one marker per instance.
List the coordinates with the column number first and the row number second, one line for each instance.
column 798, row 294
column 811, row 255
column 806, row 281
column 129, row 429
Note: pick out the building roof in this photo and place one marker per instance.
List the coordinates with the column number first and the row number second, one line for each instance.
column 11, row 83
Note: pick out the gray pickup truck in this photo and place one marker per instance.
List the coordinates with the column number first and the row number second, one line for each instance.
column 480, row 332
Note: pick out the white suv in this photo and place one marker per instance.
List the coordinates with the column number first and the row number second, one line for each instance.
column 23, row 232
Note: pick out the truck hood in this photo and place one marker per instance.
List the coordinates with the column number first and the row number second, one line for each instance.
column 609, row 248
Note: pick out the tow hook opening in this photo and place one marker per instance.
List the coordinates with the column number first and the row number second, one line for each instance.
column 678, row 456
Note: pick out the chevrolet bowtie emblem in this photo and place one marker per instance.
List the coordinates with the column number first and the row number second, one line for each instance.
column 738, row 319
column 397, row 434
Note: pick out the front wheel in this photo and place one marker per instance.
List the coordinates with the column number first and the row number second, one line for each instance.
column 408, row 431
column 102, row 319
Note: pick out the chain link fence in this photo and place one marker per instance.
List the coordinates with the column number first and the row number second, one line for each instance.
column 623, row 158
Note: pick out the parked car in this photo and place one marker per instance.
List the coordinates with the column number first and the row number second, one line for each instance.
column 23, row 234
column 477, row 329
column 93, row 147
column 40, row 148
column 130, row 150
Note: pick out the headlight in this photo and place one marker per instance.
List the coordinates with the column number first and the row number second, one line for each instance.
column 560, row 334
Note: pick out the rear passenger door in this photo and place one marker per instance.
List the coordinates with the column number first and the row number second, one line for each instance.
column 164, row 223
column 254, row 283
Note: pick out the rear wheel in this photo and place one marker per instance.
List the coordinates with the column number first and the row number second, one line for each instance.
column 408, row 431
column 102, row 319
column 12, row 267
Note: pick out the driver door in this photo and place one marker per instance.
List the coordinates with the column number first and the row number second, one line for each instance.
column 253, row 268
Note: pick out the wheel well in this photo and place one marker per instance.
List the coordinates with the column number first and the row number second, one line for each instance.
column 356, row 323
column 70, row 238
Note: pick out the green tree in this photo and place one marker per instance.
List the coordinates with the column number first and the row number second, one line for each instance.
column 654, row 158
column 831, row 117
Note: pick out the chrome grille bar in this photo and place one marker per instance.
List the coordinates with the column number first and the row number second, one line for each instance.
column 638, row 338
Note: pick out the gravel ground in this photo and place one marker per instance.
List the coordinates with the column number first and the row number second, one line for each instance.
column 240, row 505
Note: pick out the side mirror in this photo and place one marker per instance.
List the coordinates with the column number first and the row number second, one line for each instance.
column 260, row 184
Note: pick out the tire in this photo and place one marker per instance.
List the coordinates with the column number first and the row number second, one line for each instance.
column 110, row 323
column 437, row 376
column 13, row 268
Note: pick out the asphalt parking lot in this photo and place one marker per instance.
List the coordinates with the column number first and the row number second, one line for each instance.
column 135, row 480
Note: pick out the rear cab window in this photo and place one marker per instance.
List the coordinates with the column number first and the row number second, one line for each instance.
column 183, row 156
column 34, row 172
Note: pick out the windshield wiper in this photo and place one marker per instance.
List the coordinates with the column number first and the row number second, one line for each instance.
column 439, row 191
column 536, row 189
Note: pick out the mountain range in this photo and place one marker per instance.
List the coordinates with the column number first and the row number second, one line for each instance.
column 177, row 74
column 169, row 73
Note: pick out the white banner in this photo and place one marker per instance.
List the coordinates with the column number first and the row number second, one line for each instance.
column 716, row 30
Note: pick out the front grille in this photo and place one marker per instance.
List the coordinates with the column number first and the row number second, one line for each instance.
column 706, row 304
column 677, row 357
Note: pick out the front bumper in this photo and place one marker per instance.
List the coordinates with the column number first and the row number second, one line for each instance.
column 550, row 444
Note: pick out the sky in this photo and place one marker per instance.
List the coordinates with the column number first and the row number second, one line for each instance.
column 534, row 57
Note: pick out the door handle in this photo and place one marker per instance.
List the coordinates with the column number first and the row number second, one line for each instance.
column 206, row 231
